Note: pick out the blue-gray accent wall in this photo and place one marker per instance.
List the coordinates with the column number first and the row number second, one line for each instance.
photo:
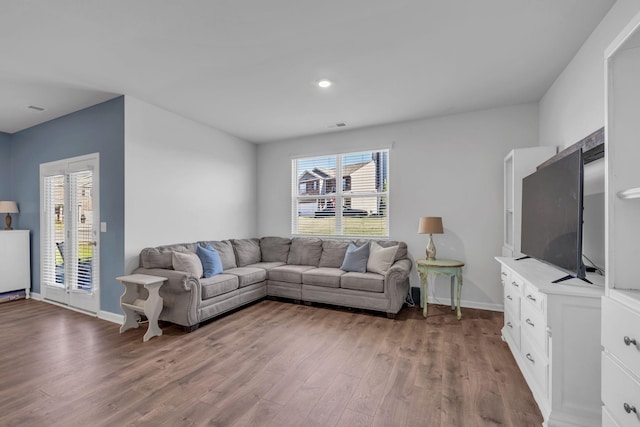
column 97, row 129
column 5, row 166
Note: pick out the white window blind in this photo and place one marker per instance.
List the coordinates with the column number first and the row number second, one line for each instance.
column 53, row 233
column 341, row 195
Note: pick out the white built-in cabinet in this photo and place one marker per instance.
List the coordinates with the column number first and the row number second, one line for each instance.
column 553, row 332
column 15, row 265
column 621, row 305
column 518, row 164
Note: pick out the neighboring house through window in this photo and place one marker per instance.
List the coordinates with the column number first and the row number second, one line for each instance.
column 357, row 208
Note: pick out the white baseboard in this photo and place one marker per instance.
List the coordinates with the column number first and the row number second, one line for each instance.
column 111, row 317
column 104, row 315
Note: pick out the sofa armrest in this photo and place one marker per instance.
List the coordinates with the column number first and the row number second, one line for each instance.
column 396, row 284
column 180, row 294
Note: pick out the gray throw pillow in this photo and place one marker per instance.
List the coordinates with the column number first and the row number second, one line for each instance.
column 355, row 259
column 188, row 262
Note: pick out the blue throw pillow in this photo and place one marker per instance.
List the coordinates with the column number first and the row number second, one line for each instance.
column 211, row 262
column 356, row 258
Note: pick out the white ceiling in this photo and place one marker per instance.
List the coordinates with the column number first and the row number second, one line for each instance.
column 249, row 67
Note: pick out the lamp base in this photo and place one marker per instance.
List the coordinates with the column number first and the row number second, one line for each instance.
column 7, row 221
column 431, row 249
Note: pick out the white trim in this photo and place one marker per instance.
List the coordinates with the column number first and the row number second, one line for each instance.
column 111, row 317
column 103, row 315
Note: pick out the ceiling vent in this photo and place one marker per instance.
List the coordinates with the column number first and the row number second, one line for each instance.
column 337, row 125
column 35, row 108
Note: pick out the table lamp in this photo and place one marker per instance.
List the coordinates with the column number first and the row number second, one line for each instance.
column 8, row 208
column 430, row 225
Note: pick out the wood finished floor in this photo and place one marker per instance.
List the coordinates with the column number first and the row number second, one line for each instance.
column 270, row 364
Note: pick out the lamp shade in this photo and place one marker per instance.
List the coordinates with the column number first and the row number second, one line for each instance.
column 8, row 207
column 430, row 225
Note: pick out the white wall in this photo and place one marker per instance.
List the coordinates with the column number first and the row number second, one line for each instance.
column 574, row 105
column 184, row 181
column 449, row 166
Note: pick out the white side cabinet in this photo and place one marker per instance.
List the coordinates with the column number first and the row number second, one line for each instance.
column 621, row 306
column 518, row 164
column 553, row 331
column 15, row 265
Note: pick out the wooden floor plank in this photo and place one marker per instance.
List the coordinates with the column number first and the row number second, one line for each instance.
column 271, row 363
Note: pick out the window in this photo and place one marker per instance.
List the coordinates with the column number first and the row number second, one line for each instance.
column 357, row 208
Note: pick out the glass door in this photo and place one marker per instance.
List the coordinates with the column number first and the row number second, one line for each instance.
column 69, row 232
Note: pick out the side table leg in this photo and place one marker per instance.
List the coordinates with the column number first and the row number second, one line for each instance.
column 453, row 304
column 152, row 309
column 459, row 292
column 131, row 317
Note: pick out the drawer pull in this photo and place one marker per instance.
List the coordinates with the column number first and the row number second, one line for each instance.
column 629, row 341
column 531, row 298
column 509, row 324
column 509, row 297
column 531, row 359
column 629, row 409
column 515, row 284
column 529, row 322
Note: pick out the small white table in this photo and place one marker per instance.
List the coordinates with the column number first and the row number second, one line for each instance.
column 132, row 304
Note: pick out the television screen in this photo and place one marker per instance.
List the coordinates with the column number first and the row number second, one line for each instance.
column 552, row 214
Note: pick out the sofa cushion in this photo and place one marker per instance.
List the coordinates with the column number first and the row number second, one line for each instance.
column 160, row 257
column 275, row 249
column 210, row 259
column 333, row 252
column 355, row 259
column 187, row 262
column 247, row 275
column 289, row 273
column 226, row 252
column 266, row 265
column 218, row 285
column 247, row 251
column 305, row 251
column 153, row 258
column 380, row 259
column 371, row 282
column 323, row 276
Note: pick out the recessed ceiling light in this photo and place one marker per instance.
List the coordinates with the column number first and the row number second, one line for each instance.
column 324, row 83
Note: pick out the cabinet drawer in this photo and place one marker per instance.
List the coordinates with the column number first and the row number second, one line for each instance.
column 534, row 326
column 505, row 276
column 620, row 393
column 620, row 327
column 534, row 297
column 512, row 327
column 516, row 283
column 512, row 301
column 535, row 363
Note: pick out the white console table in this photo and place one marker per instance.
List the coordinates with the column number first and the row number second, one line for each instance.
column 15, row 265
column 133, row 302
column 553, row 331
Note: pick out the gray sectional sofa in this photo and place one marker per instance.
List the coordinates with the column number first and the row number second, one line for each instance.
column 303, row 269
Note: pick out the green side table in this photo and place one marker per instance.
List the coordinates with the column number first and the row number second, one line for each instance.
column 442, row 267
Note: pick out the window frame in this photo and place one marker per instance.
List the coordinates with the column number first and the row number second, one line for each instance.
column 340, row 195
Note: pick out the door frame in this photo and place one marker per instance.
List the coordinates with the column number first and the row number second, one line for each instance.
column 73, row 299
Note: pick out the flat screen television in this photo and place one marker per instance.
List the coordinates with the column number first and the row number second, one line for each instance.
column 552, row 203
